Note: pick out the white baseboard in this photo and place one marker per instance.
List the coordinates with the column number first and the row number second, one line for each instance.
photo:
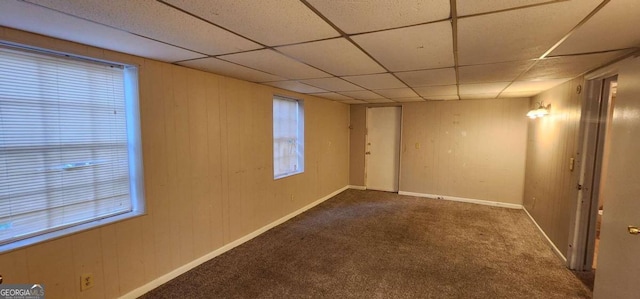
column 357, row 187
column 462, row 199
column 184, row 268
column 555, row 249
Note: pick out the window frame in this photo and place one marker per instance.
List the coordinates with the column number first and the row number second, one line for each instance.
column 134, row 148
column 300, row 144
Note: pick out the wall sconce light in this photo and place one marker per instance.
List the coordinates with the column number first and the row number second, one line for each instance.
column 540, row 111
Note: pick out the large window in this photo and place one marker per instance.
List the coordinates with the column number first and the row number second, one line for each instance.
column 69, row 145
column 288, row 137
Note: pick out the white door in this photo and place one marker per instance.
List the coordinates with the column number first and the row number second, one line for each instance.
column 618, row 273
column 382, row 157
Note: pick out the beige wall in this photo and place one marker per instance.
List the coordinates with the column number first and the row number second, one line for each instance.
column 357, row 116
column 470, row 149
column 550, row 193
column 208, row 178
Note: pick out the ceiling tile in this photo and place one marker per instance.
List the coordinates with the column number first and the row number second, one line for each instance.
column 496, row 72
column 534, row 86
column 479, row 96
column 295, row 86
column 471, row 7
column 361, row 95
column 32, row 18
column 332, row 84
column 607, row 30
column 435, row 92
column 484, row 89
column 518, row 34
column 354, row 102
column 379, row 101
column 222, row 67
column 336, row 56
column 443, row 98
column 569, row 66
column 275, row 63
column 271, row 22
column 363, row 16
column 520, row 94
column 157, row 21
column 419, row 47
column 396, row 93
column 332, row 96
column 407, row 100
column 446, row 76
column 377, row 81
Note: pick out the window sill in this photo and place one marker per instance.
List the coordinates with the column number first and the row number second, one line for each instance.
column 65, row 232
column 286, row 175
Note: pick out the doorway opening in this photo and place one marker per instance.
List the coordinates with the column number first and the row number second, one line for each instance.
column 596, row 116
column 609, row 92
column 382, row 149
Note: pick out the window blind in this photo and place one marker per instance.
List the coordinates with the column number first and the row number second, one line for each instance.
column 63, row 143
column 286, row 140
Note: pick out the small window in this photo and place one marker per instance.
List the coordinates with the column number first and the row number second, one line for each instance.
column 288, row 137
column 69, row 145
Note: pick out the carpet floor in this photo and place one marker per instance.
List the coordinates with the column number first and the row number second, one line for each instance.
column 369, row 244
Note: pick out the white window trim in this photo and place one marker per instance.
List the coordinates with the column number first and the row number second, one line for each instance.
column 134, row 136
column 134, row 143
column 301, row 140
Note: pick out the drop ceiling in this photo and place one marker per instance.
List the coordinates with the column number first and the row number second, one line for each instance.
column 356, row 52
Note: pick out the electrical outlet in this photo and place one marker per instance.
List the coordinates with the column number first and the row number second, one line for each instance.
column 86, row 281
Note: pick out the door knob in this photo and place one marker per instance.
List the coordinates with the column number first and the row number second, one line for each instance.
column 367, row 153
column 634, row 230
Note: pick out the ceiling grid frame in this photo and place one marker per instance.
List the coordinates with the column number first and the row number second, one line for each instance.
column 511, row 9
column 454, row 27
column 264, row 46
column 454, row 6
column 567, row 35
column 120, row 29
column 348, row 37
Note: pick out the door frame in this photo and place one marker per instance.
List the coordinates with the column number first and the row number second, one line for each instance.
column 366, row 140
column 591, row 140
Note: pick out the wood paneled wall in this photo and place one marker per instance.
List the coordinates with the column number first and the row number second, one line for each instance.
column 471, row 149
column 208, row 178
column 550, row 193
column 357, row 117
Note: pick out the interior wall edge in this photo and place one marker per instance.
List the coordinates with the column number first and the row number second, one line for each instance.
column 549, row 192
column 354, row 187
column 551, row 244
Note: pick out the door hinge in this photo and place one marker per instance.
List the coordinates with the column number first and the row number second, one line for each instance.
column 579, row 187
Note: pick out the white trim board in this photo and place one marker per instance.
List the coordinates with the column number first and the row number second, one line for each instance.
column 462, row 199
column 188, row 266
column 555, row 249
column 355, row 187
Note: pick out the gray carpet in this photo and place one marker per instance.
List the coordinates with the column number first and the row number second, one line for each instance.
column 368, row 244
